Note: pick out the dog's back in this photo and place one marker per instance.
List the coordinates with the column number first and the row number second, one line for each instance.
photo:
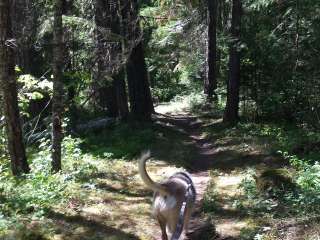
column 181, row 189
column 171, row 197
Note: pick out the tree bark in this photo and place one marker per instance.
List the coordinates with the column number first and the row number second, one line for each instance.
column 210, row 83
column 57, row 99
column 24, row 31
column 231, row 113
column 105, row 93
column 16, row 146
column 141, row 104
column 121, row 94
column 108, row 17
column 107, row 97
column 116, row 24
column 219, row 29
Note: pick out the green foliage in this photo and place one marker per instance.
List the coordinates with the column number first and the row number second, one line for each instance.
column 309, row 178
column 301, row 200
column 279, row 70
column 163, row 69
column 175, row 65
column 31, row 88
column 32, row 195
column 124, row 141
column 210, row 199
column 76, row 85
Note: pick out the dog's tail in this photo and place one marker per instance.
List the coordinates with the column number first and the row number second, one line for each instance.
column 146, row 178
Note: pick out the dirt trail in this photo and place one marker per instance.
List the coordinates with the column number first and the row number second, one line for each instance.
column 227, row 226
column 118, row 206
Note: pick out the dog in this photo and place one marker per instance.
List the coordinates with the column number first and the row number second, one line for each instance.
column 173, row 200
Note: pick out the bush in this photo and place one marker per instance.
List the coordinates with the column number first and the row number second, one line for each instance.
column 32, row 195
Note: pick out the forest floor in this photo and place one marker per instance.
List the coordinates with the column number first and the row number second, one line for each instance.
column 112, row 203
column 210, row 166
column 118, row 206
column 220, row 165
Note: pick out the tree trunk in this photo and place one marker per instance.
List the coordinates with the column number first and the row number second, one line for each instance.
column 210, row 83
column 116, row 25
column 24, row 31
column 105, row 92
column 141, row 104
column 219, row 29
column 121, row 94
column 110, row 54
column 231, row 113
column 108, row 98
column 139, row 91
column 8, row 83
column 57, row 99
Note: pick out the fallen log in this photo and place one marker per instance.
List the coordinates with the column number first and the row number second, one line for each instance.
column 96, row 124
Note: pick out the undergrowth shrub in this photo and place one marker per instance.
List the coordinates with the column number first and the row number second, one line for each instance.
column 32, row 195
column 125, row 141
column 303, row 200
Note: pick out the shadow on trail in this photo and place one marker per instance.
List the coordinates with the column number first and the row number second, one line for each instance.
column 88, row 228
column 123, row 190
column 203, row 153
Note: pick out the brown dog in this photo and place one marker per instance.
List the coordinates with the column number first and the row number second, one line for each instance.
column 173, row 200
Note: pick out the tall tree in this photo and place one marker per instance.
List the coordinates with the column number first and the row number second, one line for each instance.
column 210, row 82
column 24, row 29
column 231, row 113
column 219, row 28
column 110, row 75
column 141, row 104
column 116, row 52
column 122, row 98
column 105, row 91
column 57, row 98
column 8, row 83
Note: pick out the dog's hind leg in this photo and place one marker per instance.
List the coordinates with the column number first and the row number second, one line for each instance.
column 163, row 226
